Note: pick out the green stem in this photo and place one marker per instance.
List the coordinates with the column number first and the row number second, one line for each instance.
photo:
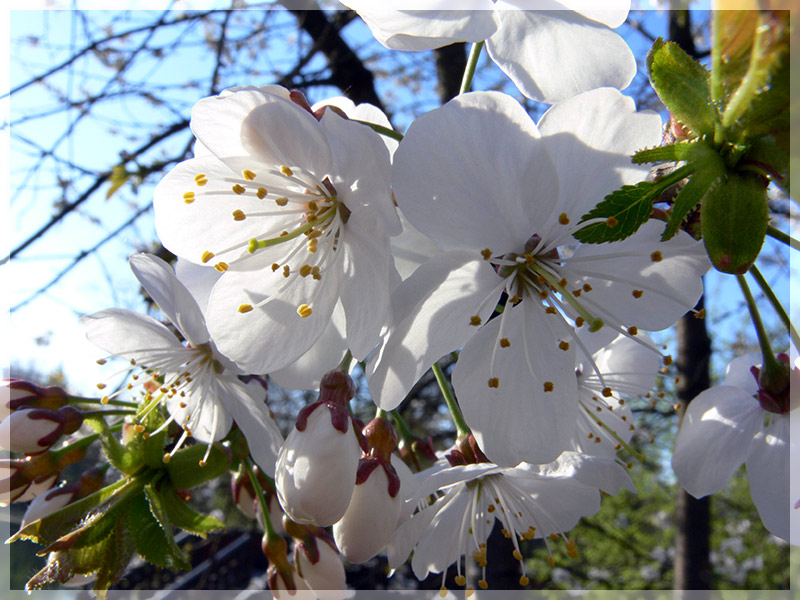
column 345, row 364
column 401, row 427
column 382, row 130
column 381, row 414
column 458, row 418
column 716, row 56
column 770, row 362
column 82, row 400
column 262, row 501
column 776, row 304
column 472, row 63
column 744, row 95
column 779, row 235
column 105, row 413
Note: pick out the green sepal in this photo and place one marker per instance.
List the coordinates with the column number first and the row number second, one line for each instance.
column 734, row 218
column 668, row 153
column 184, row 516
column 184, row 467
column 683, row 86
column 61, row 522
column 769, row 109
column 688, row 198
column 124, row 458
column 155, row 544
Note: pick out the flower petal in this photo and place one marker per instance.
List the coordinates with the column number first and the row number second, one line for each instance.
column 475, row 174
column 431, row 313
column 174, row 300
column 598, row 130
column 198, row 280
column 531, row 412
column 129, row 334
column 714, row 438
column 440, row 546
column 738, row 372
column 553, row 55
column 768, row 472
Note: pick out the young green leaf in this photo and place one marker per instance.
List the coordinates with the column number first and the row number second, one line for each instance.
column 185, row 517
column 668, row 153
column 683, row 86
column 185, row 468
column 119, row 175
column 150, row 540
column 155, row 502
column 688, row 198
column 124, row 458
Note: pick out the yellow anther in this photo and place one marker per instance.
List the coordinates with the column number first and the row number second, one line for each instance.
column 304, row 310
column 244, row 308
column 475, row 320
column 637, row 293
column 305, row 270
column 563, row 345
column 101, row 361
column 166, row 458
column 700, row 314
column 517, row 554
column 313, row 233
column 207, row 256
column 182, row 404
column 504, row 342
column 618, row 447
column 286, row 171
column 629, row 465
column 315, row 273
column 312, row 245
column 529, row 259
column 286, row 270
column 523, row 581
column 461, row 580
column 188, row 197
column 312, row 206
column 656, row 256
column 261, row 193
column 550, row 310
column 101, row 386
column 612, row 222
column 494, row 382
column 587, row 287
column 238, row 215
column 563, row 282
column 548, row 386
column 238, row 189
column 104, row 400
column 221, row 266
column 597, row 440
column 491, row 508
column 543, row 294
column 281, row 201
column 443, row 592
column 275, row 267
column 486, row 253
column 482, row 583
column 200, row 179
column 577, row 293
column 668, row 360
column 607, row 392
column 138, row 428
column 530, row 534
column 633, row 330
column 248, row 174
column 505, row 533
column 563, row 219
column 283, row 233
column 579, row 322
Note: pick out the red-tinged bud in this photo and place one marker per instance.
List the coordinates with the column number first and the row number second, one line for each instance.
column 381, row 437
column 34, row 430
column 321, row 111
column 466, row 452
column 16, row 394
column 419, row 454
column 326, row 571
column 282, row 589
column 774, row 385
column 281, row 572
column 24, row 479
column 57, row 498
column 299, row 98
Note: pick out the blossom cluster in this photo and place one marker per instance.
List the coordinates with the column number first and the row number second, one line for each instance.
column 307, row 237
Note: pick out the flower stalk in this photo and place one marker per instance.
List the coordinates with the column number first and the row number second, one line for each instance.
column 458, row 418
column 262, row 501
column 472, row 63
column 771, row 366
column 776, row 304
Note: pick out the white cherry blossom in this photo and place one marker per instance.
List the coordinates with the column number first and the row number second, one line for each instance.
column 295, row 211
column 550, row 50
column 200, row 387
column 503, row 198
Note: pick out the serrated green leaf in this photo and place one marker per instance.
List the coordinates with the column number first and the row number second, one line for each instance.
column 184, row 467
column 61, row 522
column 769, row 109
column 124, row 458
column 184, row 516
column 668, row 153
column 119, row 175
column 624, row 211
column 117, row 551
column 150, row 540
column 156, row 504
column 683, row 86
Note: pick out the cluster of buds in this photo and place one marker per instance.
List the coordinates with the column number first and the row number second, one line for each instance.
column 23, row 479
column 34, row 417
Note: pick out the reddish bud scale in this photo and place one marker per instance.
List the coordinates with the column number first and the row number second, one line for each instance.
column 335, row 391
column 369, row 463
column 381, row 437
column 25, row 394
column 309, row 545
column 773, row 392
column 68, row 419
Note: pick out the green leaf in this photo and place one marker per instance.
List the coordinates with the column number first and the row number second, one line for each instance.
column 119, row 175
column 156, row 503
column 185, row 517
column 185, row 470
column 668, row 153
column 624, row 211
column 151, row 541
column 688, row 198
column 683, row 86
column 117, row 551
column 124, row 458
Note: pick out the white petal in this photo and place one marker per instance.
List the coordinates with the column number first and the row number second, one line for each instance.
column 518, row 420
column 129, row 334
column 598, row 130
column 475, row 174
column 431, row 313
column 273, row 335
column 440, row 547
column 714, row 438
column 768, row 472
column 198, row 280
column 411, row 248
column 629, row 367
column 553, row 55
column 203, row 411
column 611, row 13
column 441, row 479
column 174, row 300
column 362, row 112
column 738, row 372
column 406, row 537
column 425, row 29
column 670, row 286
column 252, row 416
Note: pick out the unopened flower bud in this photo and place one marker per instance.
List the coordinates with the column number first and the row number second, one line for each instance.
column 323, row 569
column 316, row 469
column 418, row 454
column 34, row 430
column 296, row 590
column 57, row 498
column 16, row 394
column 24, row 479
